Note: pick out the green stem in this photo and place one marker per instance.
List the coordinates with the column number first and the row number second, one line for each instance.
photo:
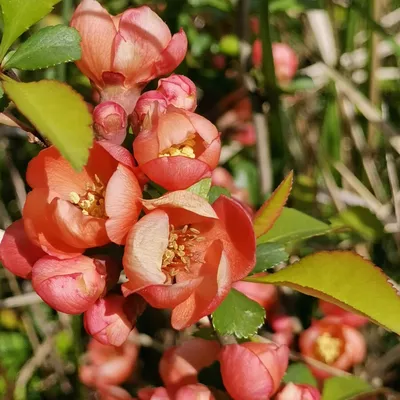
column 271, row 88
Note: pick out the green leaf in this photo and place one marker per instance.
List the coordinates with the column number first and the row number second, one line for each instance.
column 217, row 191
column 48, row 47
column 20, row 15
column 269, row 255
column 361, row 220
column 293, row 225
column 270, row 211
column 238, row 315
column 57, row 112
column 299, row 373
column 343, row 388
column 201, row 188
column 345, row 279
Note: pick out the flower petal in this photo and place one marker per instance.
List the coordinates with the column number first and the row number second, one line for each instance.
column 122, row 202
column 144, row 250
column 98, row 31
column 17, row 253
column 176, row 173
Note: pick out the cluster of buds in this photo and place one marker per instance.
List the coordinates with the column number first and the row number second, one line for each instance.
column 176, row 251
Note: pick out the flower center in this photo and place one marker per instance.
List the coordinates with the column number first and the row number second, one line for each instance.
column 180, row 252
column 184, row 149
column 92, row 202
column 328, row 347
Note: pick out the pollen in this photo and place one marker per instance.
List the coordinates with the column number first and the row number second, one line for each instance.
column 328, row 347
column 184, row 149
column 179, row 253
column 92, row 202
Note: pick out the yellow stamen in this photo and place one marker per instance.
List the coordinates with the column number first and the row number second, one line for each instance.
column 328, row 347
column 92, row 202
column 184, row 149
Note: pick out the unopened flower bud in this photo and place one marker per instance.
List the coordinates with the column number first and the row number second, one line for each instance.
column 179, row 91
column 298, row 392
column 148, row 102
column 17, row 253
column 70, row 286
column 110, row 122
column 111, row 319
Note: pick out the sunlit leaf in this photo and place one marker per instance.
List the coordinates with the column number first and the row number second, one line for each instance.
column 201, row 188
column 272, row 208
column 48, row 47
column 217, row 191
column 20, row 15
column 269, row 255
column 238, row 315
column 57, row 112
column 345, row 279
column 293, row 225
column 344, row 387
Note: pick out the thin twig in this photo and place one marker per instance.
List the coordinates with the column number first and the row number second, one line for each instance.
column 21, row 300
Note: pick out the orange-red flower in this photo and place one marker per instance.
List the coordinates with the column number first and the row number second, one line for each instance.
column 333, row 343
column 17, row 253
column 109, row 365
column 68, row 211
column 121, row 54
column 253, row 370
column 298, row 392
column 177, row 148
column 185, row 254
column 73, row 285
column 111, row 319
column 180, row 365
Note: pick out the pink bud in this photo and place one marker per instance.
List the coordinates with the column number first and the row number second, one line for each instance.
column 111, row 319
column 179, row 91
column 298, row 392
column 159, row 393
column 253, row 370
column 285, row 61
column 110, row 122
column 109, row 365
column 107, row 392
column 346, row 317
column 147, row 104
column 194, row 392
column 180, row 365
column 17, row 253
column 265, row 295
column 70, row 286
column 110, row 268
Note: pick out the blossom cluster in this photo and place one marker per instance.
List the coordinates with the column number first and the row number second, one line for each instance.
column 90, row 241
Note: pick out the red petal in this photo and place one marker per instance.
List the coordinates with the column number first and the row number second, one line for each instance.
column 17, row 252
column 122, row 201
column 176, row 173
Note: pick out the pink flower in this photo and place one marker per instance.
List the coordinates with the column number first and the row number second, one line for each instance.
column 109, row 365
column 69, row 211
column 286, row 61
column 111, row 319
column 333, row 343
column 189, row 392
column 180, row 365
column 110, row 122
column 298, row 392
column 177, row 148
column 333, row 312
column 253, row 370
column 121, row 54
column 73, row 285
column 148, row 103
column 285, row 327
column 17, row 253
column 179, row 91
column 107, row 392
column 185, row 254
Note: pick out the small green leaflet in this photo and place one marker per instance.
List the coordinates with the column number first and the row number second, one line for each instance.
column 300, row 374
column 217, row 191
column 57, row 112
column 20, row 15
column 201, row 188
column 238, row 315
column 344, row 388
column 269, row 255
column 48, row 47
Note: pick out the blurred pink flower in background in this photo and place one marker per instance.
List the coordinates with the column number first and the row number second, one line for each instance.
column 293, row 391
